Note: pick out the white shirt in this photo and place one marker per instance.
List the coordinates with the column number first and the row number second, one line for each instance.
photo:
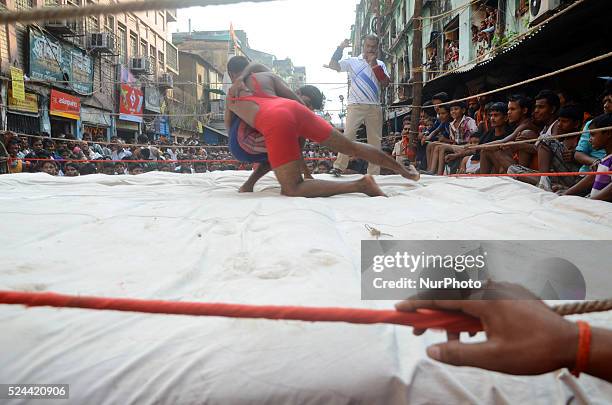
column 364, row 88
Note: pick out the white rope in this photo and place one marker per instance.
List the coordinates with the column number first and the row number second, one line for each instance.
column 53, row 13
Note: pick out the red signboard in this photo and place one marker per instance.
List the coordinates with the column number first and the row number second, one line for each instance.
column 131, row 98
column 65, row 105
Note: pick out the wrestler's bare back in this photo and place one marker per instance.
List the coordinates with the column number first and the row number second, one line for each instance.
column 247, row 110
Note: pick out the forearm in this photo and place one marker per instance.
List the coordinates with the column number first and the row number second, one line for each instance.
column 253, row 68
column 582, row 187
column 600, row 358
column 605, row 194
column 584, row 159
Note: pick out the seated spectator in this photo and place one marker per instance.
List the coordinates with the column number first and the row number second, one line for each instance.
column 519, row 117
column 118, row 151
column 438, row 137
column 461, row 128
column 556, row 155
column 166, row 167
column 120, row 168
column 470, row 164
column 108, row 168
column 499, row 129
column 135, row 169
column 71, row 169
column 15, row 164
column 200, row 167
column 87, row 168
column 323, row 167
column 545, row 115
column 49, row 167
column 585, row 154
column 600, row 185
column 49, row 145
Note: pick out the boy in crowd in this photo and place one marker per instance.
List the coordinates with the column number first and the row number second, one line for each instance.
column 519, row 116
column 461, row 129
column 601, row 184
column 499, row 129
column 556, row 155
column 545, row 116
column 471, row 164
column 49, row 167
column 585, row 154
column 439, row 136
column 71, row 169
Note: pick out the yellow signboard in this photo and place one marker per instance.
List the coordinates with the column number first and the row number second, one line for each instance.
column 29, row 104
column 18, row 86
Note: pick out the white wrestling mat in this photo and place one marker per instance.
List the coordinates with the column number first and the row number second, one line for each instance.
column 194, row 238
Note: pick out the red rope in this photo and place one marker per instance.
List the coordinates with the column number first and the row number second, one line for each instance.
column 423, row 319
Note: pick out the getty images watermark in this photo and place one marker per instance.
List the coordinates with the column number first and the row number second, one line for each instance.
column 554, row 270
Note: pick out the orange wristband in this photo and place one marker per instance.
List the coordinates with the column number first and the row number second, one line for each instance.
column 584, row 348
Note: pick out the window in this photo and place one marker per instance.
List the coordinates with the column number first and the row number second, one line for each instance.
column 144, row 49
column 152, row 53
column 160, row 56
column 133, row 45
column 122, row 43
column 109, row 22
column 161, row 18
column 26, row 4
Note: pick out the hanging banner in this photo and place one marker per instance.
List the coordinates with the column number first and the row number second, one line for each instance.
column 152, row 99
column 55, row 61
column 29, row 105
column 131, row 99
column 65, row 105
column 17, row 84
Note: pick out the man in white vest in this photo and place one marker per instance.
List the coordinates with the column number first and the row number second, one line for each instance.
column 368, row 76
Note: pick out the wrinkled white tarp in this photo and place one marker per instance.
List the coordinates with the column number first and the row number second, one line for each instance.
column 194, row 238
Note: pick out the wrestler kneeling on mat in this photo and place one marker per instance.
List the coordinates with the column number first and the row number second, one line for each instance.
column 264, row 102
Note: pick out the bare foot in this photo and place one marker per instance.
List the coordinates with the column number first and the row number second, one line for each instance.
column 370, row 187
column 246, row 188
column 411, row 173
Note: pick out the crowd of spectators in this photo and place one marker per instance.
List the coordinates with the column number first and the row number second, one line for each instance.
column 516, row 135
column 65, row 155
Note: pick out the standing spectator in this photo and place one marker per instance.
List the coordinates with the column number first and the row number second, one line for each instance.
column 368, row 76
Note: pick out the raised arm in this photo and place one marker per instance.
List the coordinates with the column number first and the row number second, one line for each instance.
column 334, row 63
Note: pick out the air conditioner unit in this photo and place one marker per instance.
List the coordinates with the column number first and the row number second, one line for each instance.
column 101, row 42
column 61, row 27
column 165, row 81
column 140, row 65
column 541, row 9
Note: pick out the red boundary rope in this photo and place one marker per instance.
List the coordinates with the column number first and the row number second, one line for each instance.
column 422, row 319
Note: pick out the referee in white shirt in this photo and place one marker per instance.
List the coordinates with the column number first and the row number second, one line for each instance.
column 368, row 76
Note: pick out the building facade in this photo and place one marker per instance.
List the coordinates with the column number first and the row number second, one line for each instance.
column 98, row 76
column 457, row 36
